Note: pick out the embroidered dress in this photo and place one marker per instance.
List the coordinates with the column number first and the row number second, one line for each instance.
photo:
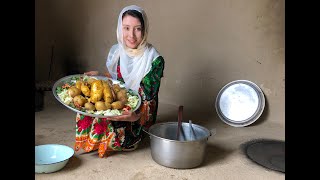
column 94, row 133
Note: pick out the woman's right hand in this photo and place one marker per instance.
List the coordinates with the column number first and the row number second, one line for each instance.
column 92, row 73
column 126, row 116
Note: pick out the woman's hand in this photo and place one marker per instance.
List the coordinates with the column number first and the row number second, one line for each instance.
column 108, row 74
column 92, row 73
column 96, row 73
column 126, row 116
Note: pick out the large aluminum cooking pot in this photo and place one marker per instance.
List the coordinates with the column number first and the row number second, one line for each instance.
column 181, row 149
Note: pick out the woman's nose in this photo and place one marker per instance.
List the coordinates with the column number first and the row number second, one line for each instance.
column 131, row 33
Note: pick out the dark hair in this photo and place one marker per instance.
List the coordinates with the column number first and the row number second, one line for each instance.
column 135, row 14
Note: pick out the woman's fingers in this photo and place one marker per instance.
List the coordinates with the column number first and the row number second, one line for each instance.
column 91, row 73
column 126, row 116
column 108, row 75
column 95, row 73
column 119, row 118
column 126, row 112
column 116, row 118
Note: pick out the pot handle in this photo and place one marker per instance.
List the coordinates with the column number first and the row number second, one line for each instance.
column 146, row 132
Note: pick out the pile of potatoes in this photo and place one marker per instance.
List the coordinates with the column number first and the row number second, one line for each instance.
column 98, row 95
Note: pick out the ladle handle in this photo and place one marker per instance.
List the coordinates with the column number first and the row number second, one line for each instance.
column 180, row 112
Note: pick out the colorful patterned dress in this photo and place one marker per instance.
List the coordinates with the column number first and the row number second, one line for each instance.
column 94, row 133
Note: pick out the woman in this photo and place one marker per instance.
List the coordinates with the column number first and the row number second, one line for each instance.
column 138, row 64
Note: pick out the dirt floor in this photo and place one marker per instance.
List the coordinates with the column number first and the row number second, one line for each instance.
column 224, row 158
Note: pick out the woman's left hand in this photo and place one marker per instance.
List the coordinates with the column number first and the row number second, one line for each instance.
column 126, row 116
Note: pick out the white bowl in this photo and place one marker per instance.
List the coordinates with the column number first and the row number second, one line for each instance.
column 51, row 157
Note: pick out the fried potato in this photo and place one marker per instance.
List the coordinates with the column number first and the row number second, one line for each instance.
column 116, row 88
column 73, row 91
column 79, row 100
column 91, row 80
column 122, row 95
column 107, row 92
column 89, row 106
column 117, row 105
column 96, row 91
column 108, row 105
column 100, row 105
column 85, row 90
column 108, row 100
column 79, row 84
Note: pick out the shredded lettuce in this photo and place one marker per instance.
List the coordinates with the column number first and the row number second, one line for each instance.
column 85, row 78
column 132, row 100
column 64, row 96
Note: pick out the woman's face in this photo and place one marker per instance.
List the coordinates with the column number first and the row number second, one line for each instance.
column 132, row 31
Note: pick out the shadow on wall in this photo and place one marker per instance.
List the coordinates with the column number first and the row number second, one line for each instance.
column 69, row 23
column 71, row 66
column 170, row 115
column 211, row 119
column 67, row 63
column 206, row 117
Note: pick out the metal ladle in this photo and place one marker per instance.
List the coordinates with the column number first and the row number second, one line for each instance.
column 180, row 124
column 192, row 133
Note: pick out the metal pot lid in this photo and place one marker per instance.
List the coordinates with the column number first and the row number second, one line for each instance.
column 240, row 103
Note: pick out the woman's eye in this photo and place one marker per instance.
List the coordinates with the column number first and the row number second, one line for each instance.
column 126, row 28
column 139, row 29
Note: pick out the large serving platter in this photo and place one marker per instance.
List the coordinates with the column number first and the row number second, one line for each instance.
column 240, row 103
column 71, row 79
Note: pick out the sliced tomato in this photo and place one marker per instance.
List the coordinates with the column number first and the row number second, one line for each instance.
column 66, row 85
column 126, row 107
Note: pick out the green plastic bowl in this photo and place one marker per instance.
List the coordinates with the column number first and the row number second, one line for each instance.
column 51, row 157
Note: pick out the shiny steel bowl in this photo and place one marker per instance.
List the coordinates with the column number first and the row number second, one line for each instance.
column 51, row 157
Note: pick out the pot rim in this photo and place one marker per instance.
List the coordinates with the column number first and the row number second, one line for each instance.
column 164, row 123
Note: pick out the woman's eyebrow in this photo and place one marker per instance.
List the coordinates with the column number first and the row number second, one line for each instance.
column 133, row 26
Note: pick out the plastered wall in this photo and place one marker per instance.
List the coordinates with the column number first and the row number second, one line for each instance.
column 205, row 43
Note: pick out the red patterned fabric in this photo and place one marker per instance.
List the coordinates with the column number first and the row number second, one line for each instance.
column 104, row 135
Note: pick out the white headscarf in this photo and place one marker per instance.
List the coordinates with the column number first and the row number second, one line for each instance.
column 134, row 63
